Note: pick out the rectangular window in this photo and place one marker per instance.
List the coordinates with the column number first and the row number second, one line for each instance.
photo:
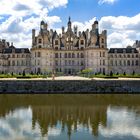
column 56, row 42
column 39, row 54
column 39, row 40
column 82, row 42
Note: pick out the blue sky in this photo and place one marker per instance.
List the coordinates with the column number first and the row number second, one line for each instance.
column 83, row 10
column 121, row 18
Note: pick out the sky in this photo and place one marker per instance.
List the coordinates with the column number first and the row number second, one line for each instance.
column 121, row 18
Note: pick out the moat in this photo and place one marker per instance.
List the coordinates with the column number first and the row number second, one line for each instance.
column 69, row 117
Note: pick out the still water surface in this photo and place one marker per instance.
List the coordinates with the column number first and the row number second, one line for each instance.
column 69, row 117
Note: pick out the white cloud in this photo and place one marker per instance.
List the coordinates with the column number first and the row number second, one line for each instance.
column 122, row 30
column 25, row 15
column 106, row 1
column 125, row 126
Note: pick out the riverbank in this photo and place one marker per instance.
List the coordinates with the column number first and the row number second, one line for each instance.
column 70, row 85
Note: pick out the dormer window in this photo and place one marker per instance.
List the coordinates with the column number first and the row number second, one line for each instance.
column 56, row 42
column 82, row 42
column 124, row 51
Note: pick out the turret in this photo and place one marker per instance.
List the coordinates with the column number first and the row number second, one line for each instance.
column 33, row 37
column 75, row 30
column 95, row 27
column 69, row 24
column 42, row 23
column 63, row 30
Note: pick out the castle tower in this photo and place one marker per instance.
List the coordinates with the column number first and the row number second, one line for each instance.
column 42, row 23
column 33, row 37
column 69, row 24
column 95, row 27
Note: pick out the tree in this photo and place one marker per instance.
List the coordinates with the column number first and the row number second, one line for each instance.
column 86, row 72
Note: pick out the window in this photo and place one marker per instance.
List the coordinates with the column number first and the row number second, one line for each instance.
column 69, row 62
column 100, row 54
column 128, row 62
column 22, row 55
column 56, row 63
column 56, row 55
column 73, row 55
column 82, row 42
column 136, row 62
column 39, row 54
column 65, row 62
column 56, row 42
column 8, row 63
column 102, row 40
column 72, row 62
column 111, row 62
column 103, row 62
column 116, row 62
column 77, row 55
column 13, row 63
column 128, row 56
column 120, row 62
column 103, row 54
column 132, row 62
column 82, row 63
column 65, row 55
column 124, row 63
column 39, row 40
column 82, row 55
column 69, row 55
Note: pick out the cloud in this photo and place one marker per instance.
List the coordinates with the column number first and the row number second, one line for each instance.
column 125, row 126
column 122, row 30
column 106, row 1
column 19, row 17
column 21, row 7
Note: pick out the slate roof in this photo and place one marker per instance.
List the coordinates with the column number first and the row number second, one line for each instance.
column 16, row 50
column 121, row 50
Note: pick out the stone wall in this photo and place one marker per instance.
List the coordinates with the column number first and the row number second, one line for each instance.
column 46, row 86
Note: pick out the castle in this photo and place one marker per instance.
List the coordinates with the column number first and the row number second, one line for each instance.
column 69, row 53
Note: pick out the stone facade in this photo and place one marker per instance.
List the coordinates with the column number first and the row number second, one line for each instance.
column 14, row 60
column 69, row 53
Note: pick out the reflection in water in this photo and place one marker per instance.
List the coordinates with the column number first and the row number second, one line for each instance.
column 66, row 117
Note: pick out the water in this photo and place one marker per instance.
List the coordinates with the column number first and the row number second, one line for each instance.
column 69, row 117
